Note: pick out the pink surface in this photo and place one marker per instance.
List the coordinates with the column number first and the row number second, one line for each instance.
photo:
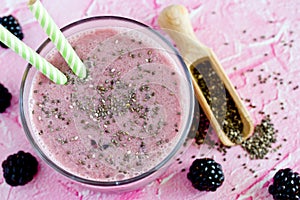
column 245, row 35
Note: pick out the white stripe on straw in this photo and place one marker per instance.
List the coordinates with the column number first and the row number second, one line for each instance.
column 31, row 56
column 57, row 38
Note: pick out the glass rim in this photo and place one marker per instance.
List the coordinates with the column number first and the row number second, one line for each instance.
column 140, row 177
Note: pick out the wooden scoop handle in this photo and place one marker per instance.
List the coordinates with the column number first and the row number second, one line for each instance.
column 175, row 21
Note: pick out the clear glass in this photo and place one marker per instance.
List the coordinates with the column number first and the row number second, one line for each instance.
column 186, row 101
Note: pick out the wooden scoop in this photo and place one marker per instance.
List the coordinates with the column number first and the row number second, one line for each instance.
column 174, row 20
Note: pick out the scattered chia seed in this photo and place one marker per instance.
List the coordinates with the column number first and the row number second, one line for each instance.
column 296, row 87
column 262, row 37
column 260, row 143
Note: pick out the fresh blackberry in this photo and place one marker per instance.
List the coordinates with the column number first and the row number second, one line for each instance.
column 11, row 24
column 286, row 185
column 19, row 168
column 206, row 174
column 5, row 98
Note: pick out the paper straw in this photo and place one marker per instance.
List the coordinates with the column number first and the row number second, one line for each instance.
column 57, row 38
column 31, row 56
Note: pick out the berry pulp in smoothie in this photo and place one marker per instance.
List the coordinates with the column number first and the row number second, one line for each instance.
column 119, row 122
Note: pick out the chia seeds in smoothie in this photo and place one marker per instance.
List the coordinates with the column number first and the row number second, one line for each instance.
column 120, row 121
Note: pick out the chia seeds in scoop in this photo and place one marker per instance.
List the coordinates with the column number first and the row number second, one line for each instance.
column 219, row 99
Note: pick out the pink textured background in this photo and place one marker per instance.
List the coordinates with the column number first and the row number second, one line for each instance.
column 261, row 34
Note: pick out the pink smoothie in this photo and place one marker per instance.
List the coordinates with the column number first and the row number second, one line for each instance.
column 119, row 122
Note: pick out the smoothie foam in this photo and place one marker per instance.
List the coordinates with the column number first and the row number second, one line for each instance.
column 119, row 122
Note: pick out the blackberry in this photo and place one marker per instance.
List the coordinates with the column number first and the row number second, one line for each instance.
column 286, row 185
column 12, row 25
column 206, row 174
column 19, row 168
column 5, row 98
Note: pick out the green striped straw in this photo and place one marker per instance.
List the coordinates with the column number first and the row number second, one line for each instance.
column 57, row 38
column 31, row 56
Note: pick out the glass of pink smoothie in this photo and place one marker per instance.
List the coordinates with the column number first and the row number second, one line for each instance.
column 120, row 127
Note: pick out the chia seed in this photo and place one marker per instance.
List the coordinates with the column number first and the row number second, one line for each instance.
column 219, row 100
column 260, row 143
